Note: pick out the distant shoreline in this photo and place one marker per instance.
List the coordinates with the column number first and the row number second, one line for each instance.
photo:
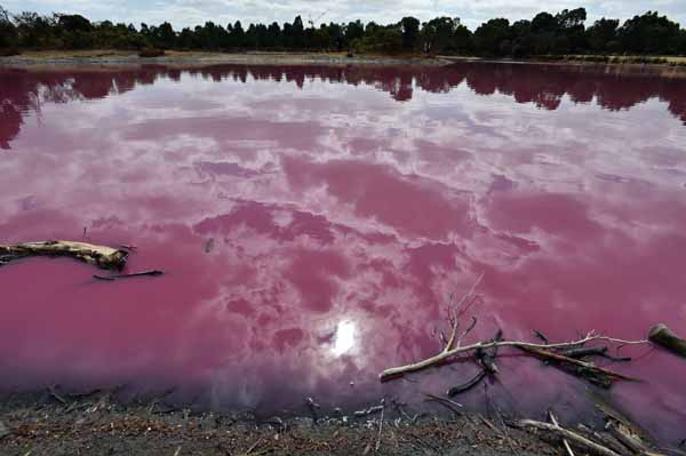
column 115, row 58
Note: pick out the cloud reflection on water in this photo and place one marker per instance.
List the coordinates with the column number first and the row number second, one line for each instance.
column 336, row 218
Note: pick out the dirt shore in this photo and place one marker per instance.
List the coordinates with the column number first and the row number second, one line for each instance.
column 42, row 60
column 38, row 59
column 54, row 424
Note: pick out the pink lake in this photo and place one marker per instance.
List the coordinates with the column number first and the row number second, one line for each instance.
column 313, row 221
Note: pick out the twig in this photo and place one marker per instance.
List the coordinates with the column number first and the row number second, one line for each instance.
column 457, row 311
column 378, row 438
column 57, row 396
column 564, row 440
column 253, row 446
column 541, row 336
column 366, row 412
column 572, row 436
column 151, row 273
column 313, row 407
column 449, row 404
column 469, row 384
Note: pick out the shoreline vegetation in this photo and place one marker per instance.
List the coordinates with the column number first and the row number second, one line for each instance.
column 648, row 38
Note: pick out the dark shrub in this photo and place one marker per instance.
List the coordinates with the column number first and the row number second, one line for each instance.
column 149, row 53
column 8, row 52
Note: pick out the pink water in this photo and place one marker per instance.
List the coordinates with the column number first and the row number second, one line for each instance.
column 312, row 222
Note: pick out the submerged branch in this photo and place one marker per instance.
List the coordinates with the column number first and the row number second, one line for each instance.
column 151, row 273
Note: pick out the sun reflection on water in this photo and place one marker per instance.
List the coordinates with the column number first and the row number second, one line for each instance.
column 344, row 338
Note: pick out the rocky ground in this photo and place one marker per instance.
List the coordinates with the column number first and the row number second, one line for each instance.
column 96, row 424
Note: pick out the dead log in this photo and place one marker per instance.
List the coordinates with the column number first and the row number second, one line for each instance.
column 664, row 337
column 103, row 257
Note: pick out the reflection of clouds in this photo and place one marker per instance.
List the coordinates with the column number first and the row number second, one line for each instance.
column 335, row 219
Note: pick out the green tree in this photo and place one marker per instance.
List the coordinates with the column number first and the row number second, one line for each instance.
column 602, row 35
column 650, row 34
column 165, row 36
column 493, row 38
column 462, row 39
column 8, row 33
column 571, row 31
column 236, row 35
column 409, row 27
column 298, row 33
column 354, row 31
column 437, row 34
column 35, row 31
column 274, row 35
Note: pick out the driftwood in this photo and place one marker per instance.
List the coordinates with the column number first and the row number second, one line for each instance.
column 571, row 436
column 664, row 337
column 100, row 256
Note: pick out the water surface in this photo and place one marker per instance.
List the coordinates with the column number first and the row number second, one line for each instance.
column 313, row 222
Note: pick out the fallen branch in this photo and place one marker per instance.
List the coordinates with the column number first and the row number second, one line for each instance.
column 100, row 256
column 445, row 355
column 569, row 435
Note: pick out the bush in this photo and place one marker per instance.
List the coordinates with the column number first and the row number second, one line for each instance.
column 149, row 53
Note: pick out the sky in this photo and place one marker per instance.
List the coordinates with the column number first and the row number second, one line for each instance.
column 182, row 13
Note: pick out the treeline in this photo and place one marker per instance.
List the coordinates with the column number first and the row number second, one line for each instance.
column 546, row 34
